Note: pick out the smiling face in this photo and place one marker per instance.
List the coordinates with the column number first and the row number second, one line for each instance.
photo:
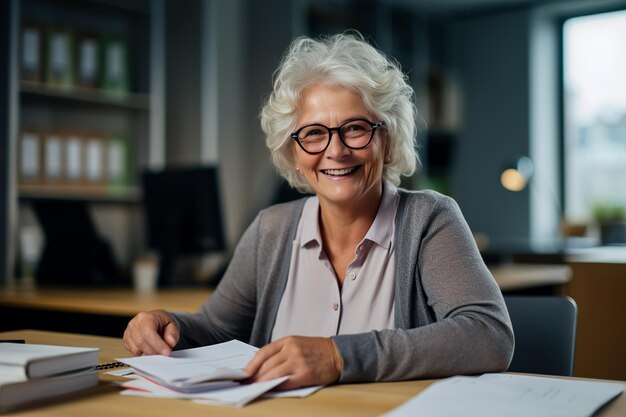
column 340, row 175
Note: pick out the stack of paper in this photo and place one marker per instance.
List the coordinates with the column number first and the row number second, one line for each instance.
column 30, row 372
column 209, row 374
column 496, row 395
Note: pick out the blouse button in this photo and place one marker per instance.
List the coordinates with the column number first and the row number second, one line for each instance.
column 335, row 306
column 352, row 276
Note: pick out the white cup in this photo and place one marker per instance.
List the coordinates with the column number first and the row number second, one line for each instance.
column 145, row 274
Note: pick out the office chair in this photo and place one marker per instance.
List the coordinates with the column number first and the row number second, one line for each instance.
column 545, row 334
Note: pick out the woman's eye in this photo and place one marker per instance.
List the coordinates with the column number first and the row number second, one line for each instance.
column 315, row 132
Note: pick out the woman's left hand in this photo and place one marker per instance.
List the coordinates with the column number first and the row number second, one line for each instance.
column 306, row 360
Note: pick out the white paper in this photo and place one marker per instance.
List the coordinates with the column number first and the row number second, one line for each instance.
column 496, row 395
column 187, row 369
column 294, row 393
column 236, row 395
column 124, row 373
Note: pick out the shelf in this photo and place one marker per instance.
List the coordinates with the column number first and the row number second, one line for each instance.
column 84, row 95
column 94, row 194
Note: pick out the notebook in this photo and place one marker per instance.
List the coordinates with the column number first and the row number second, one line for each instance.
column 39, row 361
column 16, row 390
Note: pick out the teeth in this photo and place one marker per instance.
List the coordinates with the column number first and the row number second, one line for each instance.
column 338, row 171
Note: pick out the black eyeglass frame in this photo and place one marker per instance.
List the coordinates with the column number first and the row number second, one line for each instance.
column 337, row 129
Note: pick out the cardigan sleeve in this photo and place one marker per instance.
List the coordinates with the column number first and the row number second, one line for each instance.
column 467, row 331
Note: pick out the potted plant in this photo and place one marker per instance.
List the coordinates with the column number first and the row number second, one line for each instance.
column 611, row 219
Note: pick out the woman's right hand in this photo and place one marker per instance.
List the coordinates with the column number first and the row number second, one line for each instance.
column 151, row 333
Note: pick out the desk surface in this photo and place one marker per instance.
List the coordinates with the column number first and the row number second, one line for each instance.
column 340, row 400
column 127, row 303
column 117, row 302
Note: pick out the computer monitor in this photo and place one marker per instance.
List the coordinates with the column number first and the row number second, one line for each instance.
column 74, row 252
column 183, row 215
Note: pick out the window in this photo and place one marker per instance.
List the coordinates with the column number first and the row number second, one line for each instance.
column 594, row 65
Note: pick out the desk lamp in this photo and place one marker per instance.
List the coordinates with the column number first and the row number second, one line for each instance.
column 516, row 176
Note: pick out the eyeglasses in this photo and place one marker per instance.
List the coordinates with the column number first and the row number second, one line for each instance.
column 355, row 134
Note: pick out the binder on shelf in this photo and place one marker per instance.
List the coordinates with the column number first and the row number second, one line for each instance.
column 59, row 59
column 74, row 159
column 53, row 158
column 94, row 160
column 30, row 51
column 115, row 79
column 30, row 156
column 119, row 161
column 88, row 60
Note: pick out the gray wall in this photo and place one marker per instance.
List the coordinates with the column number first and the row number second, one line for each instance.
column 490, row 56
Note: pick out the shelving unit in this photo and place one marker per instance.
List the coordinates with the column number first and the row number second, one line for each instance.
column 132, row 111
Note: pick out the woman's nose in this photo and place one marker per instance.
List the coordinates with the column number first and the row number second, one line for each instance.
column 336, row 147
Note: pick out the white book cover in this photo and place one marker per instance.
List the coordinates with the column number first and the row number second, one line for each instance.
column 36, row 361
column 17, row 391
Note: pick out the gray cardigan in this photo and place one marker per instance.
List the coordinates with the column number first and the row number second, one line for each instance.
column 450, row 317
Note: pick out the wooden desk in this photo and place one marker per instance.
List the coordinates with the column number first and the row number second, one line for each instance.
column 118, row 302
column 347, row 400
column 126, row 303
column 95, row 311
column 516, row 277
column 105, row 312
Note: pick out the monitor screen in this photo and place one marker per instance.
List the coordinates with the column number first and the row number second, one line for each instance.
column 183, row 214
column 74, row 252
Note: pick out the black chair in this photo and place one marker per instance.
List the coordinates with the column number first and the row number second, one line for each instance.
column 545, row 334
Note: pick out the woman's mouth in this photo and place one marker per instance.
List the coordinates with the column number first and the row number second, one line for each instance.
column 339, row 172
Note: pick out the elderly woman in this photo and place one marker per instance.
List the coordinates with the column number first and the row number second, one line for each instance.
column 363, row 281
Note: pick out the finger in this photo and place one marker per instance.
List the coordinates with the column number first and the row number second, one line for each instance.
column 265, row 372
column 171, row 334
column 151, row 343
column 261, row 356
column 132, row 347
column 283, row 369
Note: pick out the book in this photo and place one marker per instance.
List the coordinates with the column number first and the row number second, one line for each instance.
column 37, row 361
column 16, row 390
column 119, row 161
column 60, row 71
column 31, row 47
column 30, row 157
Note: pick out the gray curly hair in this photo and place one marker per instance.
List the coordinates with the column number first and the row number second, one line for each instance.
column 345, row 60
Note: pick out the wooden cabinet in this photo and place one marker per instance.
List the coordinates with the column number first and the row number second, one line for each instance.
column 599, row 289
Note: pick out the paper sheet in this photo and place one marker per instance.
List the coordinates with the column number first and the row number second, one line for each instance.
column 191, row 369
column 237, row 395
column 294, row 393
column 495, row 395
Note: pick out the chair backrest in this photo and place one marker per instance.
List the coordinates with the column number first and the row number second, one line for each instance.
column 545, row 334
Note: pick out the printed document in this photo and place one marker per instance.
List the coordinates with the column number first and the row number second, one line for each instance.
column 209, row 375
column 496, row 395
column 194, row 370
